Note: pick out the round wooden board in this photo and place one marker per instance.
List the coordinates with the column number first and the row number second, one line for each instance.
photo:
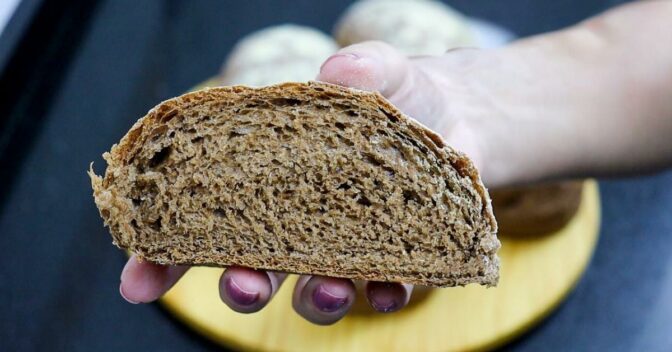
column 536, row 274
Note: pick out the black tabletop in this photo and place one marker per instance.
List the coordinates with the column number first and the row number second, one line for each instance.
column 59, row 274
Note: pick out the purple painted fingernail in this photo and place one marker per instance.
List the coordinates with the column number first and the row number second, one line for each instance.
column 385, row 297
column 238, row 295
column 335, row 56
column 327, row 301
column 384, row 306
column 121, row 292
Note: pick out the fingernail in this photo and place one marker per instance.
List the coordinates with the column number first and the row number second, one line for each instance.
column 239, row 295
column 121, row 292
column 385, row 297
column 327, row 301
column 124, row 271
column 337, row 56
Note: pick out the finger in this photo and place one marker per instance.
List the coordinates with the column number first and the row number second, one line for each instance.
column 143, row 282
column 247, row 290
column 323, row 300
column 372, row 66
column 387, row 297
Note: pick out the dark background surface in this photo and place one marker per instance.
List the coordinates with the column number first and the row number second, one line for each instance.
column 59, row 274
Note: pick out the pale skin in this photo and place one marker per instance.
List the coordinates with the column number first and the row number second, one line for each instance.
column 591, row 100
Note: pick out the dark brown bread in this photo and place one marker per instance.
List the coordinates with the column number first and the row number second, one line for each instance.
column 537, row 209
column 304, row 178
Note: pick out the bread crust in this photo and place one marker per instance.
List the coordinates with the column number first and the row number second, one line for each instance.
column 115, row 209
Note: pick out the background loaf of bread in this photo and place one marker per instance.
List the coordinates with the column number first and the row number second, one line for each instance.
column 416, row 27
column 283, row 53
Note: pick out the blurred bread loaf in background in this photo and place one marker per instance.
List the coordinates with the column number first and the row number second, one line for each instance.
column 416, row 27
column 283, row 53
column 538, row 209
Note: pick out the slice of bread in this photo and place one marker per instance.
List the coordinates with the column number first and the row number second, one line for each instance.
column 305, row 178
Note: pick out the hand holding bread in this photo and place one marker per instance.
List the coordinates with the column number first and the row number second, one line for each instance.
column 524, row 113
column 320, row 299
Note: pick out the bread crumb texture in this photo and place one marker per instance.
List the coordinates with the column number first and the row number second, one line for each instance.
column 305, row 178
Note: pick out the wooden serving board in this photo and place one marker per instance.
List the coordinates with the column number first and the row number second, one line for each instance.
column 536, row 275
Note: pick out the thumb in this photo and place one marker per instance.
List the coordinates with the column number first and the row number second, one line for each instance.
column 420, row 87
column 371, row 66
column 377, row 66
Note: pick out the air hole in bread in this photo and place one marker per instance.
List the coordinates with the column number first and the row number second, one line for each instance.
column 156, row 225
column 235, row 134
column 442, row 250
column 241, row 215
column 285, row 102
column 168, row 116
column 344, row 186
column 158, row 132
column 371, row 159
column 346, row 141
column 408, row 247
column 382, row 132
column 288, row 246
column 411, row 196
column 160, row 157
column 342, row 107
column 363, row 200
column 413, row 142
column 389, row 116
column 286, row 194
